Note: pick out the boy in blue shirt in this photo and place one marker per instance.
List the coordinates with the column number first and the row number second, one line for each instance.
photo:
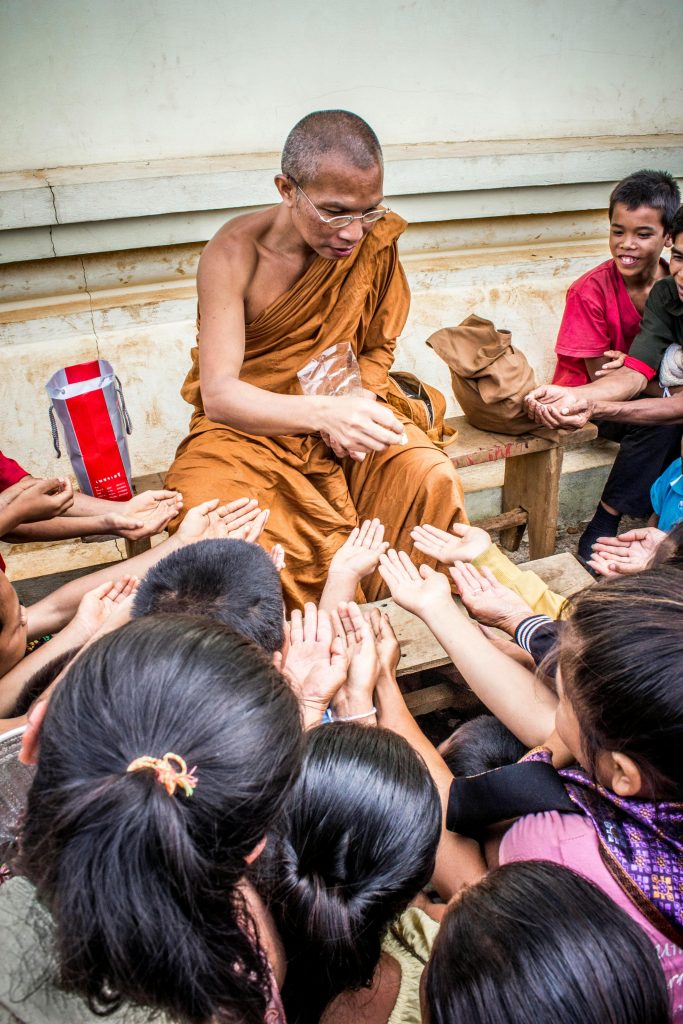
column 666, row 496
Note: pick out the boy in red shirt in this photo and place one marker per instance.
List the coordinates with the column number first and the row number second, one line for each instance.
column 602, row 316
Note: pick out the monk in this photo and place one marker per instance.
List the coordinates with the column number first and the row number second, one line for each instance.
column 276, row 288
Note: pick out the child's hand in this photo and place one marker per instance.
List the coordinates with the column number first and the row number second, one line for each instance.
column 277, row 557
column 616, row 361
column 629, row 553
column 355, row 696
column 463, row 544
column 388, row 647
column 417, row 592
column 359, row 554
column 487, row 600
column 317, row 662
column 233, row 521
column 32, row 500
column 145, row 514
column 98, row 608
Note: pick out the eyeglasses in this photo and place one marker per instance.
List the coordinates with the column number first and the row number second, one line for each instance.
column 343, row 219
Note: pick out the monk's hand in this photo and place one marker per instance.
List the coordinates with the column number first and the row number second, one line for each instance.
column 487, row 600
column 359, row 554
column 360, row 424
column 629, row 553
column 316, row 664
column 355, row 696
column 463, row 543
column 418, row 591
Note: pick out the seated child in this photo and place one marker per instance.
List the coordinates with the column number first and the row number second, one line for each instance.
column 619, row 715
column 666, row 495
column 602, row 317
column 228, row 581
column 152, row 796
column 537, row 942
column 355, row 845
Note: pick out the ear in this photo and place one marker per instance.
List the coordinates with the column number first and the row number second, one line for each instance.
column 286, row 188
column 257, row 851
column 626, row 779
column 668, row 240
column 30, row 741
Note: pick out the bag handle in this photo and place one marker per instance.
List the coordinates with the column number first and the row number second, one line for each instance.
column 55, row 435
column 126, row 418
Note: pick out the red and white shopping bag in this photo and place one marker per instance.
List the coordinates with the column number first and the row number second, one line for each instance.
column 88, row 402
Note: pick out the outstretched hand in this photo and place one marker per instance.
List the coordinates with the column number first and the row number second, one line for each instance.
column 629, row 553
column 145, row 514
column 418, row 591
column 104, row 608
column 463, row 543
column 558, row 407
column 238, row 520
column 386, row 642
column 355, row 695
column 359, row 554
column 317, row 662
column 487, row 600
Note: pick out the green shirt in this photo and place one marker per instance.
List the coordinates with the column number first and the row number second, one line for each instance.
column 662, row 324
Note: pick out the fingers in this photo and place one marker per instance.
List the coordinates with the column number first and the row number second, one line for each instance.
column 253, row 530
column 376, row 623
column 277, row 556
column 352, row 537
column 205, row 507
column 234, row 517
column 409, row 567
column 296, row 628
column 324, row 632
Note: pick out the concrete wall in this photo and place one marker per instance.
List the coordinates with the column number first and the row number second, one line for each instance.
column 90, row 81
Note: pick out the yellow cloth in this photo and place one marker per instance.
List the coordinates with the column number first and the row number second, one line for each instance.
column 314, row 499
column 524, row 582
column 409, row 941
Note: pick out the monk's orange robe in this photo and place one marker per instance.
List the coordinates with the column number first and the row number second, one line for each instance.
column 315, row 499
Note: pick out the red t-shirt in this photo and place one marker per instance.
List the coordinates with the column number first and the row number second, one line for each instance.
column 598, row 315
column 10, row 473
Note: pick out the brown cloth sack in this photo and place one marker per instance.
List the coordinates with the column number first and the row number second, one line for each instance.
column 490, row 378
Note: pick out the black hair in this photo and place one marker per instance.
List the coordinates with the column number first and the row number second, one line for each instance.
column 621, row 660
column 677, row 225
column 656, row 189
column 40, row 681
column 228, row 581
column 357, row 841
column 324, row 132
column 143, row 885
column 480, row 745
column 536, row 941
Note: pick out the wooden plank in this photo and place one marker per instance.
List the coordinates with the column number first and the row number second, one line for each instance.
column 563, row 573
column 534, row 484
column 431, row 698
column 515, row 517
column 472, row 446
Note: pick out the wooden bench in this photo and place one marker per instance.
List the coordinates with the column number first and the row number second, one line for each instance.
column 420, row 650
column 531, row 487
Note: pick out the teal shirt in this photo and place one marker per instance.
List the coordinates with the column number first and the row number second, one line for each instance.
column 666, row 495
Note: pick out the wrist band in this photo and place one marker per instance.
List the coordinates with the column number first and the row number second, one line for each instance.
column 355, row 718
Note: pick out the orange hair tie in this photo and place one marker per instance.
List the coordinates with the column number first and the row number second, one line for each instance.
column 169, row 776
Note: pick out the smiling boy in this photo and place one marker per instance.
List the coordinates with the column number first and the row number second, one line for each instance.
column 602, row 316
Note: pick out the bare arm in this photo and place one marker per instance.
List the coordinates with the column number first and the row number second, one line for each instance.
column 358, row 423
column 645, row 410
column 552, row 405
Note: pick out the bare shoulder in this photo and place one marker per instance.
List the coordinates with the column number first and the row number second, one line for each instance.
column 232, row 255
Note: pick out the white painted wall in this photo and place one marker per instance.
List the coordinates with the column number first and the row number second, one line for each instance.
column 91, row 81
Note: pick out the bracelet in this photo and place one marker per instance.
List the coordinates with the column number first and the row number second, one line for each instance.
column 355, row 718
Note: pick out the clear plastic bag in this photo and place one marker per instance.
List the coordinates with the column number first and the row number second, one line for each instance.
column 334, row 372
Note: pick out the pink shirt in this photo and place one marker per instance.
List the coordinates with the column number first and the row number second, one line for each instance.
column 571, row 840
column 598, row 315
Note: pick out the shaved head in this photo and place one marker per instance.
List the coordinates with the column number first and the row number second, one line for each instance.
column 325, row 133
